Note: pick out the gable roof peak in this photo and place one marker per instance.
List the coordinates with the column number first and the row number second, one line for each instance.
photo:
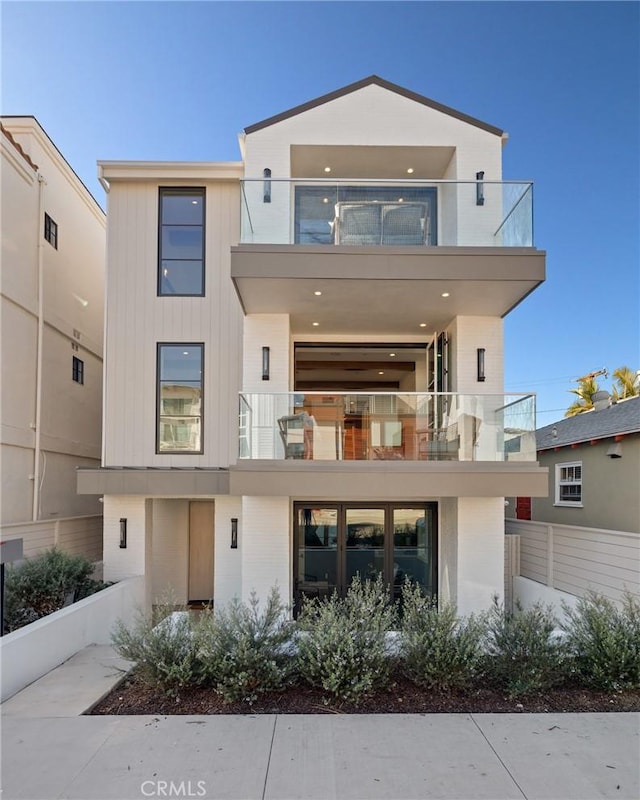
column 384, row 84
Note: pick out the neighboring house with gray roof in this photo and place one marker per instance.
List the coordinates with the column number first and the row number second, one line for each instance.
column 594, row 470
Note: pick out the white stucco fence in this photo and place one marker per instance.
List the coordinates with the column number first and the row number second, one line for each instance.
column 528, row 593
column 30, row 652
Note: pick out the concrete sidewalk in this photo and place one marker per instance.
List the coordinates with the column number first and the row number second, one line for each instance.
column 50, row 752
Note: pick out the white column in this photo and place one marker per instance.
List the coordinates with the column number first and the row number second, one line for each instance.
column 480, row 556
column 265, row 546
column 135, row 558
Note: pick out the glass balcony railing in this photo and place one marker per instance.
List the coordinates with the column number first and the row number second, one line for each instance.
column 389, row 213
column 322, row 426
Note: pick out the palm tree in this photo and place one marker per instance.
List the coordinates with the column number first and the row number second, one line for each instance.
column 626, row 383
column 586, row 388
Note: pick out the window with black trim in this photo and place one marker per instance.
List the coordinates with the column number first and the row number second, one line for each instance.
column 180, row 398
column 51, row 231
column 181, row 242
column 569, row 484
column 77, row 370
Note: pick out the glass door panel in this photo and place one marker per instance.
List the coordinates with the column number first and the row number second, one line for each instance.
column 364, row 545
column 413, row 557
column 317, row 551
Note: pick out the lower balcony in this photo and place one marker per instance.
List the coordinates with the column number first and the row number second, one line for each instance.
column 317, row 426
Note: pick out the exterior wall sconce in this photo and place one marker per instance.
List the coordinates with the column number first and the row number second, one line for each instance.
column 481, row 375
column 234, row 533
column 615, row 450
column 266, row 357
column 123, row 532
column 266, row 186
column 479, row 189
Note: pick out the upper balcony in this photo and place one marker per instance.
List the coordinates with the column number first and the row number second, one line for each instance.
column 391, row 213
column 408, row 426
column 383, row 252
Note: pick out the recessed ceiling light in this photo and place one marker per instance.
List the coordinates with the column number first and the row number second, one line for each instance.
column 315, row 324
column 327, row 169
column 392, row 355
column 444, row 294
column 401, row 199
column 194, row 202
column 410, row 171
column 318, row 294
column 325, row 199
column 381, row 372
column 185, row 352
column 423, row 324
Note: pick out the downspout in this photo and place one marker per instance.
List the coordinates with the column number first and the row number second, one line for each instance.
column 105, row 185
column 37, row 448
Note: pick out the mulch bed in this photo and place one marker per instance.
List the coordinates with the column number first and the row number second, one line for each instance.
column 131, row 696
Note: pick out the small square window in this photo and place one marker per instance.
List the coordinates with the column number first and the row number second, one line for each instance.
column 77, row 370
column 51, row 231
column 569, row 484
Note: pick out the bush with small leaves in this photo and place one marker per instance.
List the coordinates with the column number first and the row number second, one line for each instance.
column 604, row 641
column 246, row 652
column 40, row 585
column 164, row 646
column 524, row 653
column 439, row 649
column 342, row 644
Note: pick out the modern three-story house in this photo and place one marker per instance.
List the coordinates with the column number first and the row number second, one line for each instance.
column 304, row 357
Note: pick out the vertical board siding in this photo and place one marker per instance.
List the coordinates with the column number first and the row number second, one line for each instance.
column 582, row 559
column 137, row 319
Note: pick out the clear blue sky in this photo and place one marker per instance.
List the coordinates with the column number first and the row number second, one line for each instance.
column 179, row 80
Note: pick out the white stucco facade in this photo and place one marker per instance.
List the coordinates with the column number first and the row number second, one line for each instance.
column 258, row 498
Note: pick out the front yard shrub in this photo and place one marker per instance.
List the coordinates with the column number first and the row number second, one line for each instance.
column 439, row 650
column 245, row 652
column 524, row 653
column 604, row 641
column 164, row 646
column 42, row 584
column 342, row 643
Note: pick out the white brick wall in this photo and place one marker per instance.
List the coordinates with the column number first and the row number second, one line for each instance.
column 467, row 335
column 266, row 330
column 126, row 562
column 480, row 552
column 265, row 546
column 227, row 580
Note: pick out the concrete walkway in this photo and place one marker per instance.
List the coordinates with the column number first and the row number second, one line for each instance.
column 49, row 751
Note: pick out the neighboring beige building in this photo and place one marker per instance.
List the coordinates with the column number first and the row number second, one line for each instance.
column 304, row 356
column 53, row 253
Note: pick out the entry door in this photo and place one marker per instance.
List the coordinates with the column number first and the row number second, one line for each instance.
column 201, row 520
column 334, row 542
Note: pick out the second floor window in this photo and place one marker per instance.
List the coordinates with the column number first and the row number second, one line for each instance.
column 180, row 383
column 181, row 242
column 51, row 231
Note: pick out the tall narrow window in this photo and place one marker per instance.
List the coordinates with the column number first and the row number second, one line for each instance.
column 51, row 231
column 181, row 242
column 180, row 403
column 77, row 370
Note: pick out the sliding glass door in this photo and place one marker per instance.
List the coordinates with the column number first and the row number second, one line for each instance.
column 334, row 542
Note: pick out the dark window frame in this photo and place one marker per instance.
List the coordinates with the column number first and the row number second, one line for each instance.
column 342, row 506
column 186, row 191
column 77, row 370
column 51, row 230
column 159, row 347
